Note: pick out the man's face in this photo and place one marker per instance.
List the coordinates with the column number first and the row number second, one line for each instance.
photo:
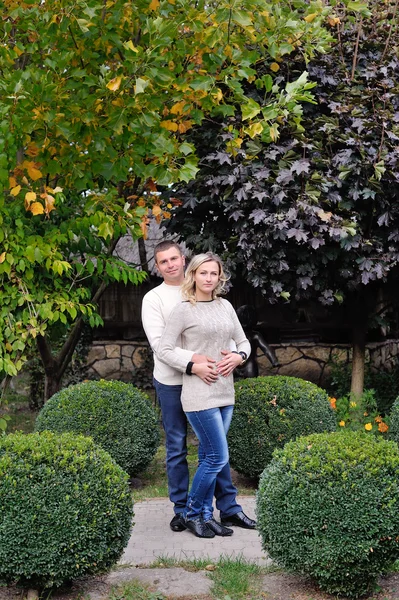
column 170, row 265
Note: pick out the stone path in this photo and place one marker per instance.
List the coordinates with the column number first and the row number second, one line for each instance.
column 152, row 537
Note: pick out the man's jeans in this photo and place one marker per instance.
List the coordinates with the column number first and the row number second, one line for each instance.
column 211, row 427
column 174, row 422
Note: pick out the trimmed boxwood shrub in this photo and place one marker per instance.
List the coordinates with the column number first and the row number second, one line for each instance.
column 328, row 507
column 116, row 415
column 270, row 411
column 66, row 509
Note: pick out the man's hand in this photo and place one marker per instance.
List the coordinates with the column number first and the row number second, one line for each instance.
column 201, row 358
column 205, row 371
column 230, row 361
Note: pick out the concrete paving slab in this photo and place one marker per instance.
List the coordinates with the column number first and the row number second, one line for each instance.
column 152, row 537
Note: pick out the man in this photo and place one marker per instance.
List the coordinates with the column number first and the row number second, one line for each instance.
column 157, row 306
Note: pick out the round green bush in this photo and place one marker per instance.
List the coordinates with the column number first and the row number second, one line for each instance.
column 270, row 411
column 328, row 507
column 66, row 509
column 116, row 415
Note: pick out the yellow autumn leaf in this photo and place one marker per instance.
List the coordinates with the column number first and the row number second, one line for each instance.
column 114, row 84
column 154, row 4
column 156, row 210
column 333, row 21
column 12, row 182
column 169, row 125
column 49, row 201
column 274, row 67
column 177, row 109
column 184, row 126
column 144, row 227
column 33, row 172
column 130, row 46
column 218, row 95
column 30, row 196
column 254, row 130
column 273, row 132
column 57, row 190
column 2, row 257
column 36, row 208
column 15, row 190
column 310, row 18
column 32, row 149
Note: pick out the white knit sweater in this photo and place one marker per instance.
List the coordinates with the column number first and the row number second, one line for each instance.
column 157, row 305
column 206, row 328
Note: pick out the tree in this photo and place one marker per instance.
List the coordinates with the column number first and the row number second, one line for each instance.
column 96, row 101
column 315, row 215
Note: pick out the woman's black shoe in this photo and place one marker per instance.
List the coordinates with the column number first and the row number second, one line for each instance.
column 218, row 529
column 199, row 528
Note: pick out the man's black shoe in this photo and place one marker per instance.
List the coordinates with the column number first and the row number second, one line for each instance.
column 240, row 519
column 218, row 529
column 199, row 528
column 177, row 523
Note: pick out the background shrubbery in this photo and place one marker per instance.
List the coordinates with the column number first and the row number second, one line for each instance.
column 270, row 411
column 66, row 509
column 384, row 383
column 115, row 414
column 328, row 507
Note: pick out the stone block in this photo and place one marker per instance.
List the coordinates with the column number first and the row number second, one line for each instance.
column 95, row 353
column 107, row 368
column 128, row 350
column 113, row 350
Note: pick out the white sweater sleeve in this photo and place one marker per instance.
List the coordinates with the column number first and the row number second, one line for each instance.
column 154, row 325
column 167, row 351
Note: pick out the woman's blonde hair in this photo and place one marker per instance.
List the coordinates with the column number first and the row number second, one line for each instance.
column 188, row 285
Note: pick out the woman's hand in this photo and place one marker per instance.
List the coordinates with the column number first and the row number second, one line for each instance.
column 230, row 361
column 205, row 371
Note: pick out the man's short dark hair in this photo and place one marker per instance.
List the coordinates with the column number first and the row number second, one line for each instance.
column 166, row 245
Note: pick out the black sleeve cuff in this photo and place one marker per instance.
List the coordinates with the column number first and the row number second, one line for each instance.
column 189, row 367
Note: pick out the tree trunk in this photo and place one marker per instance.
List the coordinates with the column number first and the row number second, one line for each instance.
column 52, row 384
column 358, row 356
column 55, row 366
column 142, row 254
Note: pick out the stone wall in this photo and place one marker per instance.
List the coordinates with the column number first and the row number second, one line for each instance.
column 116, row 360
column 125, row 360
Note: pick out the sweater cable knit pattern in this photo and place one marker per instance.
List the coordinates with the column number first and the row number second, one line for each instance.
column 206, row 328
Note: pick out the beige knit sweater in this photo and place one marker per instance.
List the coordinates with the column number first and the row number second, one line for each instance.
column 206, row 328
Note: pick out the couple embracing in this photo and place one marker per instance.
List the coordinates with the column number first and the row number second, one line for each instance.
column 190, row 328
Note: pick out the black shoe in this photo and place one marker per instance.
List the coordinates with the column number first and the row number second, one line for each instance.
column 177, row 523
column 199, row 528
column 240, row 519
column 218, row 529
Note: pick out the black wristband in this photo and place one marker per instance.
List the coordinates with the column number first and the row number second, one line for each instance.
column 242, row 354
column 189, row 367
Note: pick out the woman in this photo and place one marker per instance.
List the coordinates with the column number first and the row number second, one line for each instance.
column 205, row 324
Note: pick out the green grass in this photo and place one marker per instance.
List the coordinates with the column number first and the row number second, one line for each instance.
column 16, row 408
column 134, row 591
column 236, row 579
column 231, row 579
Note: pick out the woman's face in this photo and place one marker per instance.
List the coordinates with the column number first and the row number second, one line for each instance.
column 206, row 278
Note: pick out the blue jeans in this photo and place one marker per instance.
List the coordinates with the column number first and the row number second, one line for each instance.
column 174, row 422
column 211, row 427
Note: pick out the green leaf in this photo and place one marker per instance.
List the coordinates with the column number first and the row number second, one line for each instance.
column 250, row 109
column 241, row 17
